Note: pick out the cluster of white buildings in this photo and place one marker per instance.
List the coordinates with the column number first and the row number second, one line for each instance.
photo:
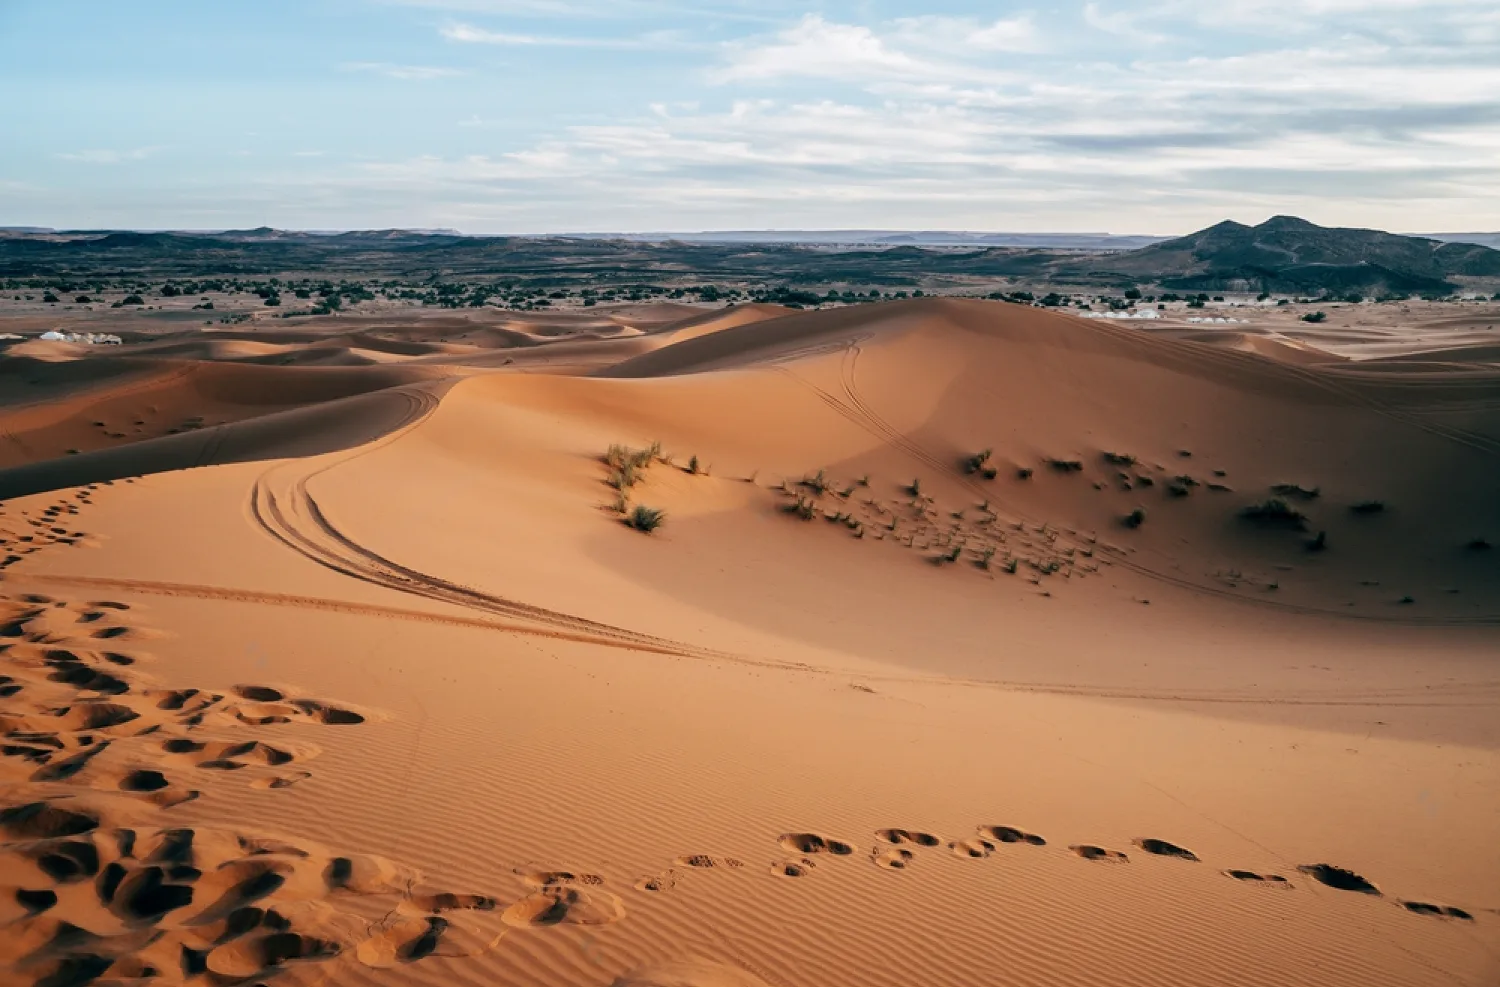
column 1145, row 313
column 92, row 338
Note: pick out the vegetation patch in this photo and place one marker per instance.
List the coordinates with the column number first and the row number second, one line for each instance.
column 1276, row 513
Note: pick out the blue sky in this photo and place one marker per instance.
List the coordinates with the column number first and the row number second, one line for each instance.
column 1148, row 116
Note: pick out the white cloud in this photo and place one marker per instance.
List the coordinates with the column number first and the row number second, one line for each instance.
column 469, row 34
column 108, row 156
column 962, row 38
column 907, row 51
column 1120, row 23
column 409, row 72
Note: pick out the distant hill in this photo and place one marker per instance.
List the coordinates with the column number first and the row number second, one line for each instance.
column 1283, row 254
column 1491, row 240
column 1289, row 254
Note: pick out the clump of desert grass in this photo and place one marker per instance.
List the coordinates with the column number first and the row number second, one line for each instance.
column 1119, row 458
column 1275, row 512
column 1295, row 490
column 801, row 508
column 1134, row 519
column 627, row 465
column 1066, row 465
column 647, row 519
column 818, row 483
column 980, row 463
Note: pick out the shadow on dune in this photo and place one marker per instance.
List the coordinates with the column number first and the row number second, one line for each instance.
column 307, row 431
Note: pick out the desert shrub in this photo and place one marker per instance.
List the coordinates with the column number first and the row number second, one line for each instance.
column 1066, row 465
column 623, row 477
column 1318, row 543
column 693, row 465
column 801, row 508
column 818, row 483
column 1295, row 490
column 647, row 519
column 132, row 300
column 1274, row 511
column 1024, row 473
column 49, row 298
column 915, row 487
column 976, row 462
column 1135, row 518
column 1478, row 545
column 1368, row 507
column 1315, row 317
column 619, row 456
column 1119, row 458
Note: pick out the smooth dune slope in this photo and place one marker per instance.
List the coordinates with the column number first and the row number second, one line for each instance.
column 371, row 684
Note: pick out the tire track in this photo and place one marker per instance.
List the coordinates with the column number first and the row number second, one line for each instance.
column 287, row 511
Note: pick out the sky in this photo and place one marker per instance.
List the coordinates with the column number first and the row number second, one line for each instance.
column 517, row 116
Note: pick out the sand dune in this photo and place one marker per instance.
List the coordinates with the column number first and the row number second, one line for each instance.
column 984, row 645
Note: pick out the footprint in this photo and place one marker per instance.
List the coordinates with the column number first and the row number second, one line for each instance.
column 813, row 843
column 975, row 849
column 44, row 821
column 564, row 905
column 792, row 868
column 703, row 861
column 252, row 957
column 328, row 714
column 1090, row 852
column 1250, row 875
column 1442, row 911
column 405, row 942
column 143, row 780
column 660, row 882
column 896, row 859
column 259, row 693
column 1162, row 848
column 1339, row 878
column 1009, row 834
column 447, row 901
column 281, row 781
column 554, row 878
column 899, row 836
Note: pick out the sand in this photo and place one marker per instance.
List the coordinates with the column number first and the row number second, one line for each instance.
column 327, row 657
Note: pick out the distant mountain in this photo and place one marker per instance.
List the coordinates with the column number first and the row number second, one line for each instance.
column 1284, row 254
column 1491, row 240
column 875, row 238
column 1289, row 254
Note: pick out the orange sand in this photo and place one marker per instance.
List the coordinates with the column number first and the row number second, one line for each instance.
column 328, row 660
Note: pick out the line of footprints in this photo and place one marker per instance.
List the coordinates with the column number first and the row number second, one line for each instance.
column 897, row 849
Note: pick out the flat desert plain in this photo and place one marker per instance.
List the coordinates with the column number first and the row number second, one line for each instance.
column 979, row 644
